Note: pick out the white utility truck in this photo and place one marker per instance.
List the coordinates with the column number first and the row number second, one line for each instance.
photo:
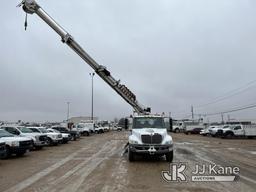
column 149, row 137
column 240, row 130
column 31, row 7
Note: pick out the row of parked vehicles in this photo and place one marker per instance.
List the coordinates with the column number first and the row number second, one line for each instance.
column 230, row 131
column 18, row 140
column 237, row 129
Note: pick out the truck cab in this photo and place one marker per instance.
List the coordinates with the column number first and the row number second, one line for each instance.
column 149, row 137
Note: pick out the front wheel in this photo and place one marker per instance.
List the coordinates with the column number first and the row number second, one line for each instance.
column 130, row 155
column 176, row 131
column 169, row 156
column 20, row 153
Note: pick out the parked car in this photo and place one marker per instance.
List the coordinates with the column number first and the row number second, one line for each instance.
column 15, row 144
column 194, row 131
column 53, row 138
column 66, row 137
column 39, row 139
column 74, row 134
column 2, row 150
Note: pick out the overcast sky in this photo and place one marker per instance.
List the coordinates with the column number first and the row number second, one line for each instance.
column 171, row 53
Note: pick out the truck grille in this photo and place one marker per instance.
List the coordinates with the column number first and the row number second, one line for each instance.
column 151, row 139
column 220, row 132
column 43, row 138
column 25, row 143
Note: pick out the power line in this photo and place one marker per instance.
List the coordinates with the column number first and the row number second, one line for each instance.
column 229, row 94
column 233, row 110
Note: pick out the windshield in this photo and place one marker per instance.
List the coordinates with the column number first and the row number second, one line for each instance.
column 25, row 130
column 43, row 130
column 148, row 122
column 4, row 133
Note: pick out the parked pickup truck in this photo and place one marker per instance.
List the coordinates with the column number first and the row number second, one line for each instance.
column 15, row 144
column 238, row 131
column 82, row 128
column 66, row 137
column 98, row 129
column 52, row 138
column 117, row 128
column 39, row 140
column 149, row 137
column 2, row 150
column 74, row 134
column 217, row 130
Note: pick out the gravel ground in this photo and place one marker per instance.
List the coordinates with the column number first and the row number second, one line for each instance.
column 98, row 163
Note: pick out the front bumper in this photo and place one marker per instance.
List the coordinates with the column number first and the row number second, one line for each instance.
column 20, row 149
column 150, row 149
column 40, row 143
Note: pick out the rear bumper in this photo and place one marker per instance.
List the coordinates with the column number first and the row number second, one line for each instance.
column 150, row 149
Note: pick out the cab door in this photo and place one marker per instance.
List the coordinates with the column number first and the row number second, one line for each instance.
column 238, row 131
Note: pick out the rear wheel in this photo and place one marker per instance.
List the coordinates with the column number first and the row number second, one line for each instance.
column 169, row 156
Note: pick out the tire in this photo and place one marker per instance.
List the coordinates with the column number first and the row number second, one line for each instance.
column 20, row 153
column 229, row 135
column 38, row 147
column 49, row 141
column 176, row 131
column 87, row 134
column 7, row 153
column 130, row 155
column 169, row 156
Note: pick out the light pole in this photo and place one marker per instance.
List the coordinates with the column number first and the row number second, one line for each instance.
column 68, row 103
column 92, row 75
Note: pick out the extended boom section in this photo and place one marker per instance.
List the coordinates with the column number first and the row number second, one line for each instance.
column 31, row 6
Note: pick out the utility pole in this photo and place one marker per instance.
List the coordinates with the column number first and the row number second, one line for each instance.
column 228, row 118
column 222, row 118
column 92, row 75
column 192, row 112
column 68, row 103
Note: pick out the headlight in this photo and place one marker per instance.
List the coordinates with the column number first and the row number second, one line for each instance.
column 167, row 142
column 15, row 144
column 133, row 142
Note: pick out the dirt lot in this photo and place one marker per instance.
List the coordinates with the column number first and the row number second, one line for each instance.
column 98, row 163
